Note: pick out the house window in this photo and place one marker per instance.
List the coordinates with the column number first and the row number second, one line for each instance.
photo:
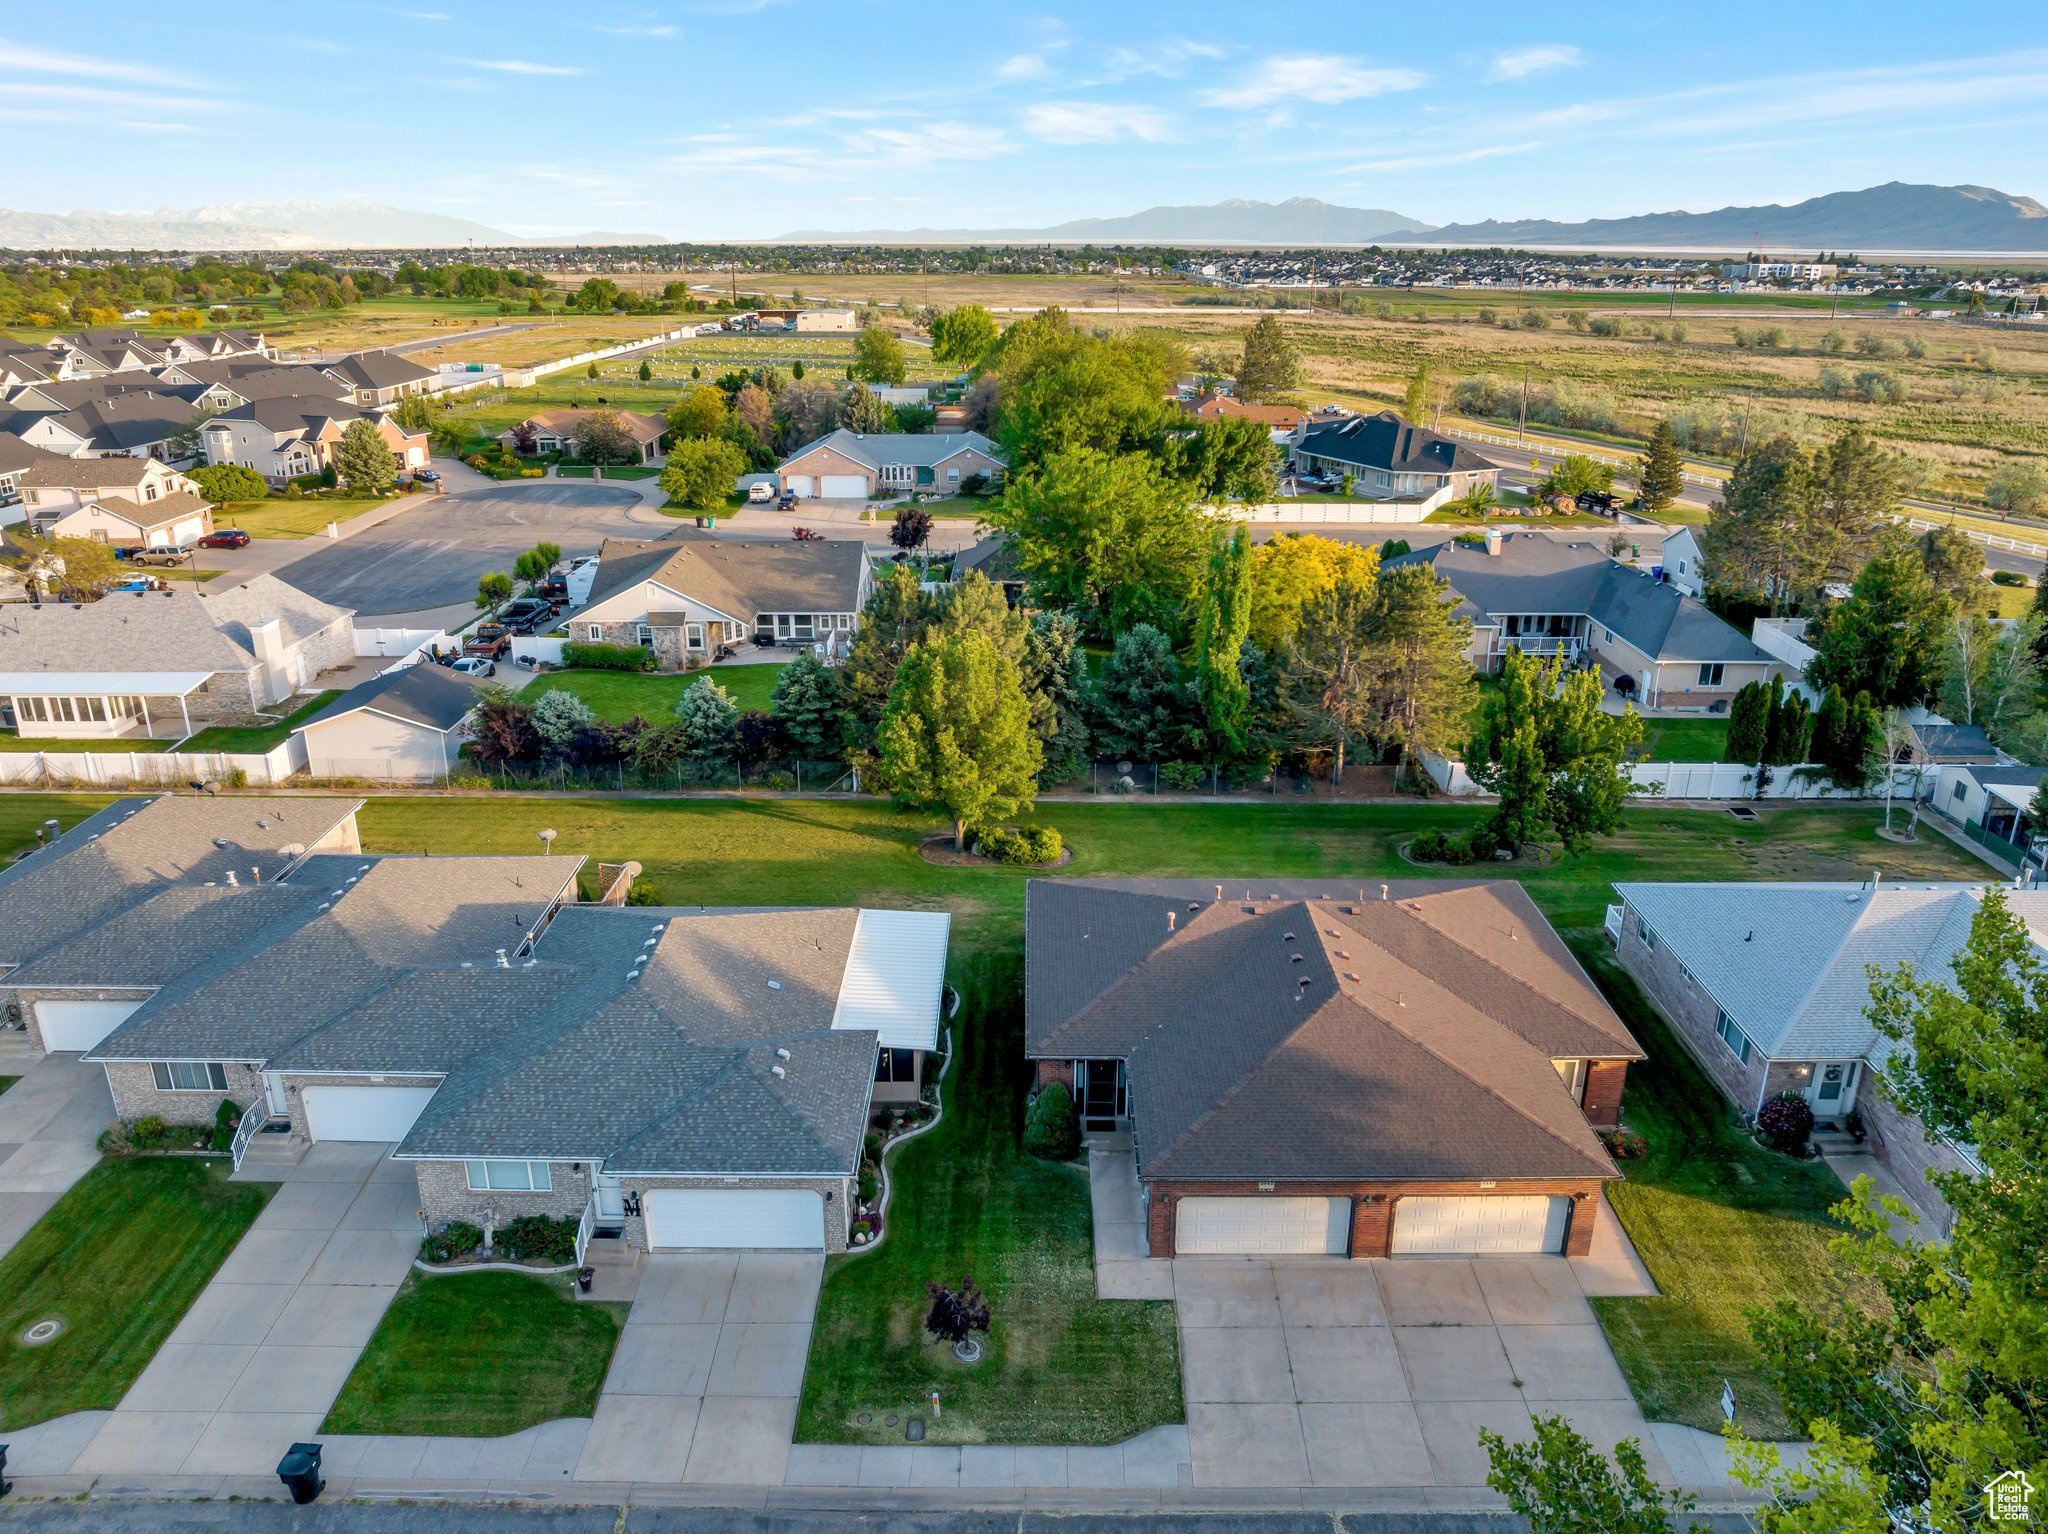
column 1957, row 791
column 190, row 1076
column 896, row 1065
column 1710, row 674
column 1649, row 934
column 510, row 1177
column 596, row 633
column 952, row 476
column 1685, row 975
column 646, row 637
column 1736, row 1040
column 693, row 635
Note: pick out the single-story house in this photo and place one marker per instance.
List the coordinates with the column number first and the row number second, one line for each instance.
column 164, row 664
column 1390, row 459
column 1993, row 803
column 684, row 596
column 1417, row 1069
column 1768, row 984
column 996, row 559
column 114, row 500
column 285, row 438
column 848, row 465
column 382, row 378
column 1283, row 422
column 405, row 724
column 554, row 431
column 685, row 1078
column 1546, row 596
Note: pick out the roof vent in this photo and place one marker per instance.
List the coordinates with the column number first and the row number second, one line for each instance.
column 1351, row 977
column 1171, row 917
column 1287, row 937
column 503, row 962
column 220, row 841
column 233, row 882
column 650, row 942
column 1294, row 958
column 1383, row 892
column 781, row 1053
column 775, row 985
column 776, row 1070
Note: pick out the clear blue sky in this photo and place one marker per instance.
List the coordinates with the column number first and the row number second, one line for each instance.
column 738, row 118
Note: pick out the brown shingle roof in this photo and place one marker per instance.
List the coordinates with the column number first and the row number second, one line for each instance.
column 739, row 577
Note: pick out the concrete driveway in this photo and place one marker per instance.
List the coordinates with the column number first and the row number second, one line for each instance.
column 1313, row 1372
column 261, row 1355
column 431, row 554
column 704, row 1385
column 50, row 1123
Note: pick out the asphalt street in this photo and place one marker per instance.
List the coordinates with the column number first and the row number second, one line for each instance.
column 114, row 1517
column 432, row 554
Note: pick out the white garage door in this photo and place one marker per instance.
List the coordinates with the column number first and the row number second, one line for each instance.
column 1265, row 1226
column 797, row 484
column 80, row 1024
column 851, row 487
column 1479, row 1225
column 363, row 1113
column 785, row 1218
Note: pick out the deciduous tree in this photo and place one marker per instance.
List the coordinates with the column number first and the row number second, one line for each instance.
column 878, row 356
column 956, row 734
column 960, row 336
column 702, row 473
column 699, row 413
column 493, row 590
column 1220, row 633
column 229, row 482
column 1552, row 755
column 1290, row 572
column 602, row 437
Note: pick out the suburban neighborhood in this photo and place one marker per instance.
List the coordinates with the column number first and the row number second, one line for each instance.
column 1148, row 854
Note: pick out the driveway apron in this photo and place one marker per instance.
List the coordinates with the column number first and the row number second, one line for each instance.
column 50, row 1123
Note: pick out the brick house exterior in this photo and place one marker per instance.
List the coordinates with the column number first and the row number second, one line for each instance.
column 937, row 463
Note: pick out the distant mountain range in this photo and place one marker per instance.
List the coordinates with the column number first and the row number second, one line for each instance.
column 1297, row 221
column 271, row 226
column 1895, row 216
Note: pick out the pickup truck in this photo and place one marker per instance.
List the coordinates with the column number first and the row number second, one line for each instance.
column 529, row 615
column 487, row 639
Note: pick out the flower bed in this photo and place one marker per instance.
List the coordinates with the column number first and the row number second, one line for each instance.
column 531, row 1241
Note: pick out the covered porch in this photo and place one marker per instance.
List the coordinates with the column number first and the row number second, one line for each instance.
column 102, row 705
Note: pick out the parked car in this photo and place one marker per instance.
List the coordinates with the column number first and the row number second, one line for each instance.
column 786, row 501
column 143, row 583
column 529, row 615
column 487, row 639
column 760, row 491
column 475, row 665
column 225, row 538
column 427, row 476
column 167, row 554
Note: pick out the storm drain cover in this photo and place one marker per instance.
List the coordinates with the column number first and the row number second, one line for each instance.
column 43, row 1331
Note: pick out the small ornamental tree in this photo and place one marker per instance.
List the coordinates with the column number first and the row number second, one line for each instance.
column 956, row 1314
column 1052, row 1127
column 493, row 590
column 956, row 735
column 602, row 437
column 1787, row 1122
column 710, row 723
column 229, row 482
column 559, row 719
column 912, row 527
column 1563, row 1485
column 807, row 701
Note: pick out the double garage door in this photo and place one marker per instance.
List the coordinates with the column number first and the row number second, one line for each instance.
column 785, row 1219
column 80, row 1024
column 376, row 1114
column 1474, row 1225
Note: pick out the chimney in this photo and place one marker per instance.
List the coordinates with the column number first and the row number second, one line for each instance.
column 1495, row 540
column 267, row 640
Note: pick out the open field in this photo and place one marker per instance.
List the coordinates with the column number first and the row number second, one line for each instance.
column 545, row 339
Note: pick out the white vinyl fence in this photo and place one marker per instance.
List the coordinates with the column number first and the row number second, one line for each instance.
column 157, row 769
column 1703, row 780
column 1324, row 512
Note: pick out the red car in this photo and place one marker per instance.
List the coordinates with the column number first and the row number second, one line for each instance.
column 225, row 538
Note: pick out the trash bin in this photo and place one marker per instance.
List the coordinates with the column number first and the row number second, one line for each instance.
column 5, row 1485
column 300, row 1471
column 583, row 1281
column 700, row 521
column 711, row 521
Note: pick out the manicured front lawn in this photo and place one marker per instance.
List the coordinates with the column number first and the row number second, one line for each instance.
column 1061, row 1365
column 119, row 1259
column 277, row 517
column 479, row 1355
column 1722, row 1224
column 1685, row 740
column 616, row 696
column 258, row 737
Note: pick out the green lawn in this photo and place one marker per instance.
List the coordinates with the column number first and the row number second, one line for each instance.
column 624, row 471
column 1684, row 740
column 9, row 741
column 1722, row 1225
column 257, row 737
column 616, row 696
column 120, row 1258
column 478, row 1355
column 277, row 517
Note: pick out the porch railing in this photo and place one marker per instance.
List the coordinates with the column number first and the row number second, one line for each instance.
column 254, row 1117
column 1613, row 922
column 584, row 1227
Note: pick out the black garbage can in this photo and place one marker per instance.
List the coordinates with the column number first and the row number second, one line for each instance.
column 584, row 1277
column 5, row 1485
column 300, row 1471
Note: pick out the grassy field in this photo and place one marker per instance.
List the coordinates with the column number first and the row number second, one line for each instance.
column 616, row 696
column 1684, row 740
column 119, row 1259
column 1723, row 1226
column 277, row 517
column 478, row 1355
column 258, row 737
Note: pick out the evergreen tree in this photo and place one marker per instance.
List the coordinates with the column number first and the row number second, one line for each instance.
column 1327, row 679
column 1270, row 364
column 807, row 703
column 956, row 735
column 1141, row 700
column 362, row 461
column 1423, row 686
column 1790, row 726
column 1415, row 402
column 1886, row 639
column 1219, row 645
column 710, row 723
column 1749, row 725
column 864, row 411
column 1661, row 474
column 558, row 719
column 896, row 616
column 1553, row 755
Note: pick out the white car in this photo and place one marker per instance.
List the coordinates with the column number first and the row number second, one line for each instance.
column 760, row 491
column 475, row 665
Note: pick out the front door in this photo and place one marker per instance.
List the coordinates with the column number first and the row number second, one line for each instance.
column 1102, row 1093
column 610, row 1198
column 273, row 1095
column 1833, row 1092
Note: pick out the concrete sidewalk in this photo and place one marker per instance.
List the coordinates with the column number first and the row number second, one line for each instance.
column 50, row 1123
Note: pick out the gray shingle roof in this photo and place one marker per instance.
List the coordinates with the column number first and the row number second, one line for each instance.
column 739, row 577
column 426, row 695
column 235, row 609
column 1385, row 441
column 55, row 472
column 18, row 457
column 154, row 633
column 1789, row 962
column 1419, row 1047
column 380, row 370
column 917, row 449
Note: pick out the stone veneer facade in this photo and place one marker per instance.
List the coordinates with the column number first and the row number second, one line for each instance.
column 137, row 1096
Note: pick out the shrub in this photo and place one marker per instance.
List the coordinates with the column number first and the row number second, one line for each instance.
column 1786, row 1121
column 229, row 482
column 538, row 1238
column 1052, row 1125
column 2007, row 578
column 871, row 1145
column 1019, row 849
column 457, row 1238
column 606, row 657
column 867, row 1186
column 227, row 1118
column 148, row 1133
column 1181, row 774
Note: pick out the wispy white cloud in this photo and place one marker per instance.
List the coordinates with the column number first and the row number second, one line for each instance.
column 423, row 15
column 1023, row 66
column 1096, row 122
column 1168, row 57
column 1325, row 79
column 653, row 29
column 1425, row 159
column 161, row 127
column 865, row 151
column 527, row 67
column 1534, row 60
column 44, row 61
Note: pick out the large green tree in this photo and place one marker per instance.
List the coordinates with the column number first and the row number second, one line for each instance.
column 1110, row 536
column 897, row 614
column 1886, row 638
column 956, row 735
column 702, row 472
column 1143, row 709
column 961, row 336
column 807, row 701
column 229, row 482
column 602, row 437
column 1230, row 458
column 878, row 356
column 1553, row 755
column 863, row 410
column 1220, row 632
column 361, row 460
column 1270, row 364
column 1660, row 475
column 1328, row 673
column 1056, row 676
column 699, row 413
column 1991, row 677
column 1423, row 684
